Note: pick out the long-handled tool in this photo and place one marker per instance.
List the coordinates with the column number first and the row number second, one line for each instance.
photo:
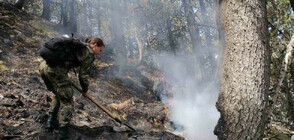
column 110, row 114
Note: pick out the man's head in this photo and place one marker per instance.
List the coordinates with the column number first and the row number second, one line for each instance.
column 96, row 45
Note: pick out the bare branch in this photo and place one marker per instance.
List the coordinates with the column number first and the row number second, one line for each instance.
column 285, row 65
column 284, row 34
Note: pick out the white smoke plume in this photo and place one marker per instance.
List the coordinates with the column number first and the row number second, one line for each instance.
column 193, row 105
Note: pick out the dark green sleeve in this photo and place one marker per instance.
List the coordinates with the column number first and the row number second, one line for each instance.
column 86, row 60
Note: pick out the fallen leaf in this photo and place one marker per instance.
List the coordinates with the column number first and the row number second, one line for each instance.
column 122, row 105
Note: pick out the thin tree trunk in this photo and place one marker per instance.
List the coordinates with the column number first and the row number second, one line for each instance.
column 99, row 26
column 19, row 4
column 208, row 39
column 73, row 17
column 61, row 12
column 171, row 41
column 88, row 15
column 46, row 9
column 205, row 21
column 65, row 13
column 192, row 27
column 285, row 65
column 286, row 62
column 140, row 48
column 221, row 37
column 292, row 4
column 243, row 97
column 117, row 37
column 196, row 42
column 290, row 96
column 289, row 105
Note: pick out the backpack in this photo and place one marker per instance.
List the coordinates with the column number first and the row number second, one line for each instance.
column 60, row 51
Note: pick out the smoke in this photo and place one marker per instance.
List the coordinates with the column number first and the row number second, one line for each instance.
column 194, row 92
column 192, row 106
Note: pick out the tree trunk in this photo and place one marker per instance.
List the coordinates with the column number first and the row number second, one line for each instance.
column 192, row 27
column 61, row 13
column 243, row 98
column 73, row 17
column 64, row 13
column 208, row 38
column 87, row 7
column 171, row 41
column 140, row 48
column 196, row 42
column 46, row 9
column 205, row 21
column 99, row 25
column 221, row 37
column 292, row 4
column 117, row 36
column 285, row 65
column 290, row 96
column 19, row 4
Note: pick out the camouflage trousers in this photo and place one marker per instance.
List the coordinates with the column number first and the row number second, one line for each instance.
column 57, row 81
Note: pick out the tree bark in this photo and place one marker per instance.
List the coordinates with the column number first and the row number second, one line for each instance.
column 46, row 9
column 243, row 98
column 19, row 4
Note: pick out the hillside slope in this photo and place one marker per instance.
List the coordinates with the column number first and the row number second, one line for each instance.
column 25, row 101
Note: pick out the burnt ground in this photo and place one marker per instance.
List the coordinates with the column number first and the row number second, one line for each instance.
column 25, row 101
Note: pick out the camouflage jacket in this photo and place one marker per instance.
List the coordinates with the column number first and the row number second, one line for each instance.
column 81, row 60
column 85, row 58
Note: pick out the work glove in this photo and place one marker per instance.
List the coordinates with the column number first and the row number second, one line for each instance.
column 85, row 94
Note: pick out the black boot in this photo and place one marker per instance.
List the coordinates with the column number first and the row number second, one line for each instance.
column 52, row 122
column 63, row 133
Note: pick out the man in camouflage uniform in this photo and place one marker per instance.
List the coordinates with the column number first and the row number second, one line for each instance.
column 58, row 82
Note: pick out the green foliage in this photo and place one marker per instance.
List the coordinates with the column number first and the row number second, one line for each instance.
column 280, row 17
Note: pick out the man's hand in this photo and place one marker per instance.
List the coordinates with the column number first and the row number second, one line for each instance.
column 85, row 94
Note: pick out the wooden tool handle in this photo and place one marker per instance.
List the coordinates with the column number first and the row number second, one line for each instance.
column 96, row 103
column 101, row 107
column 115, row 117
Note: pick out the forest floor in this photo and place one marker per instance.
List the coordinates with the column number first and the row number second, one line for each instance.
column 25, row 101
